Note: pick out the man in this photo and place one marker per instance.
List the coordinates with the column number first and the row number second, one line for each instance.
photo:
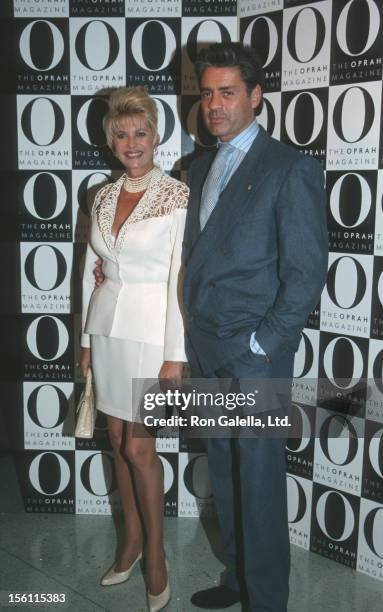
column 255, row 257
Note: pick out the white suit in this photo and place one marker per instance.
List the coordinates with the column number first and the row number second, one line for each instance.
column 134, row 317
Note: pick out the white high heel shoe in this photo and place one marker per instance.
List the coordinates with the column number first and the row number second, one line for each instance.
column 158, row 602
column 112, row 577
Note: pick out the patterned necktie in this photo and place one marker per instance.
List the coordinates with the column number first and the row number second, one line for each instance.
column 214, row 183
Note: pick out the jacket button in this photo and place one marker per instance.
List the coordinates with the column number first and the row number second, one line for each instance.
column 191, row 317
column 211, row 284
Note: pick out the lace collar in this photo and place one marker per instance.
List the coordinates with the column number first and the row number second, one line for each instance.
column 145, row 208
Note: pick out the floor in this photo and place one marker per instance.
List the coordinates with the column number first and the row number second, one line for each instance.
column 68, row 554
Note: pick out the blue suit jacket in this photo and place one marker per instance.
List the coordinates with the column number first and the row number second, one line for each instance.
column 261, row 261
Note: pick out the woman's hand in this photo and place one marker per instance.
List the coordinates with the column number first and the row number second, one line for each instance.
column 171, row 373
column 84, row 360
column 99, row 276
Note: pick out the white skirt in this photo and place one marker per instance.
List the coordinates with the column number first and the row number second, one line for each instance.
column 115, row 363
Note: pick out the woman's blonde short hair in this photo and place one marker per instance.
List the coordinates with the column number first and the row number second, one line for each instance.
column 126, row 102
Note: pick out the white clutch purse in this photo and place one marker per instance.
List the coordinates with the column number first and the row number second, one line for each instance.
column 86, row 410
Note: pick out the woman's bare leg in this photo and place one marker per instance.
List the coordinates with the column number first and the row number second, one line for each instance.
column 149, row 486
column 133, row 537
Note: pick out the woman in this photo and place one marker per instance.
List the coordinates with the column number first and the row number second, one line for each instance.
column 132, row 323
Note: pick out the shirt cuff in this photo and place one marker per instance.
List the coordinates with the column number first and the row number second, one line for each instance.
column 255, row 347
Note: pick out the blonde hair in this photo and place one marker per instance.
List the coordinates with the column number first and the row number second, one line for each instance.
column 127, row 102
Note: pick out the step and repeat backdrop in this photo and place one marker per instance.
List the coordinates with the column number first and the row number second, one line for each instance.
column 323, row 64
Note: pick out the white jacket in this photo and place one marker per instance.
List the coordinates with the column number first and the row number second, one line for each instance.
column 140, row 298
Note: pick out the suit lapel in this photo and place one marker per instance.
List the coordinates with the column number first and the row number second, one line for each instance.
column 106, row 211
column 198, row 180
column 245, row 181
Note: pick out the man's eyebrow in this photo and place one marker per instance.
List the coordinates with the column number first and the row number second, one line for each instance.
column 222, row 88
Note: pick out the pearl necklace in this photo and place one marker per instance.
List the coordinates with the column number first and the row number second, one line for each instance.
column 135, row 185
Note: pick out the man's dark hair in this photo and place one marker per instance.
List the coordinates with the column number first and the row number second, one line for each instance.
column 230, row 55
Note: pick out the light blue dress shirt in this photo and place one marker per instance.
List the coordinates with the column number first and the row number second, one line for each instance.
column 240, row 145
